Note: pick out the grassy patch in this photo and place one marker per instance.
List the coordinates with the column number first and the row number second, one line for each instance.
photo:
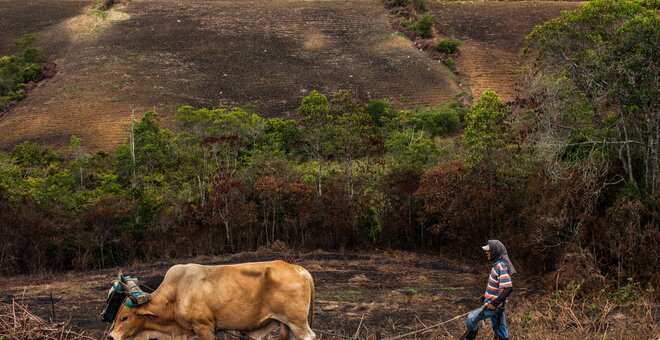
column 346, row 295
column 449, row 290
column 409, row 290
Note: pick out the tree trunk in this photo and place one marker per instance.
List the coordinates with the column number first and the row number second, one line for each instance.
column 318, row 161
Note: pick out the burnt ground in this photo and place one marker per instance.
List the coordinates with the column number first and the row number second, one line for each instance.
column 391, row 292
column 161, row 54
column 18, row 18
column 493, row 36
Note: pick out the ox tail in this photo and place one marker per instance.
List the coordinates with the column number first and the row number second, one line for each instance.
column 311, row 301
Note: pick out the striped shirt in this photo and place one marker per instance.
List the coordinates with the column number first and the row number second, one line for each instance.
column 498, row 280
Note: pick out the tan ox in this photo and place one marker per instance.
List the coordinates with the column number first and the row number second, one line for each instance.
column 195, row 301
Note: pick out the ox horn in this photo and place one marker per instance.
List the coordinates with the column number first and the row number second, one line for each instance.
column 134, row 293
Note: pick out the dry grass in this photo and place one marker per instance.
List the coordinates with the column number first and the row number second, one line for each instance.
column 17, row 322
column 630, row 312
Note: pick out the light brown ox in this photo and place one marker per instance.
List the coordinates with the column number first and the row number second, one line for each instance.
column 195, row 301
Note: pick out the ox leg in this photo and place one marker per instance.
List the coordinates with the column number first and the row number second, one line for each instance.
column 284, row 331
column 263, row 331
column 302, row 332
column 203, row 332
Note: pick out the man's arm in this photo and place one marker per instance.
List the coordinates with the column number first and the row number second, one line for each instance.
column 502, row 296
column 493, row 305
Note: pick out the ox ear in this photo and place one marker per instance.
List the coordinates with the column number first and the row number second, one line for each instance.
column 147, row 314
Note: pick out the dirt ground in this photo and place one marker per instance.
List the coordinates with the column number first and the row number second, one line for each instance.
column 493, row 36
column 387, row 292
column 161, row 54
column 18, row 18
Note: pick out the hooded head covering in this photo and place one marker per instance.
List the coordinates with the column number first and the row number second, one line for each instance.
column 498, row 252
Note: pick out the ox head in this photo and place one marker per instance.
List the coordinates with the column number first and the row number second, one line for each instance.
column 127, row 294
column 141, row 323
column 132, row 323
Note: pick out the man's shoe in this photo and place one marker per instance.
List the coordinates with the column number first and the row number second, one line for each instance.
column 472, row 335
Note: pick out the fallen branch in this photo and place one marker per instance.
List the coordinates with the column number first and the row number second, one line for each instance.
column 17, row 322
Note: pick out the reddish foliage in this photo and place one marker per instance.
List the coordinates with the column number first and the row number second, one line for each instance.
column 463, row 207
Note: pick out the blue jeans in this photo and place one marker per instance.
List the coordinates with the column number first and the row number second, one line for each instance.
column 498, row 327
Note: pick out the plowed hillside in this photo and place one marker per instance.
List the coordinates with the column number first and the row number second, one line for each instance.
column 493, row 36
column 18, row 18
column 162, row 54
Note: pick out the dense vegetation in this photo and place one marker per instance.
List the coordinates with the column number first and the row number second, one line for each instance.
column 228, row 181
column 17, row 70
column 575, row 167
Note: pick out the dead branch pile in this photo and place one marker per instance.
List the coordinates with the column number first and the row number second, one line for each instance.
column 17, row 322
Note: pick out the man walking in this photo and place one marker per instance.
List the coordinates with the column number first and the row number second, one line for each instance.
column 498, row 289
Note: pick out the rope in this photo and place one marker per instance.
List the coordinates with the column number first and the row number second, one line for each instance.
column 336, row 335
column 353, row 338
column 426, row 328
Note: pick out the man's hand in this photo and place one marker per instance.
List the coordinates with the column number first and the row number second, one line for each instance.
column 490, row 307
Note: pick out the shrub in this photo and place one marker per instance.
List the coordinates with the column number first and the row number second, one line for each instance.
column 397, row 3
column 18, row 70
column 448, row 45
column 424, row 25
column 419, row 5
column 449, row 62
column 437, row 120
column 106, row 5
column 380, row 111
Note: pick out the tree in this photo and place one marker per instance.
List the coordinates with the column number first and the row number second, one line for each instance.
column 606, row 54
column 486, row 130
column 486, row 135
column 317, row 121
column 228, row 134
column 79, row 158
column 281, row 134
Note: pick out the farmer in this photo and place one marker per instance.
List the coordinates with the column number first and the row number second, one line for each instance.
column 498, row 289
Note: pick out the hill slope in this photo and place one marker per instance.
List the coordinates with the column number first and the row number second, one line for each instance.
column 162, row 54
column 493, row 36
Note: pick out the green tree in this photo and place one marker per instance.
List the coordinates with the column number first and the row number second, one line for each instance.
column 152, row 149
column 606, row 54
column 486, row 130
column 410, row 149
column 227, row 133
column 318, row 123
column 19, row 69
column 79, row 159
column 281, row 134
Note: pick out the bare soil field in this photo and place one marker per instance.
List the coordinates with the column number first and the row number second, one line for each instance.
column 18, row 18
column 161, row 54
column 391, row 292
column 493, row 36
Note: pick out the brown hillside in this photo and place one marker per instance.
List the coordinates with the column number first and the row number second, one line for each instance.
column 162, row 54
column 493, row 36
column 18, row 18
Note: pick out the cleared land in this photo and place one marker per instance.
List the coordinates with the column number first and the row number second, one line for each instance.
column 493, row 36
column 46, row 17
column 161, row 54
column 390, row 292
